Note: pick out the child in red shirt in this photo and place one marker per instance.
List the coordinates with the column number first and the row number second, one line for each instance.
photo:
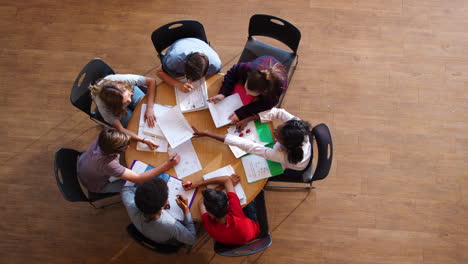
column 222, row 214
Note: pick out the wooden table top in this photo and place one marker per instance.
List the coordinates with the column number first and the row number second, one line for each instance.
column 211, row 153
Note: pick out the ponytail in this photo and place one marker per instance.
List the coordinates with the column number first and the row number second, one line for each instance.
column 295, row 154
column 267, row 81
column 293, row 134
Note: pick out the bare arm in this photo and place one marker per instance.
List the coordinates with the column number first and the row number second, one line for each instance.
column 206, row 133
column 201, row 207
column 132, row 176
column 226, row 181
column 149, row 114
column 185, row 87
column 241, row 124
column 134, row 136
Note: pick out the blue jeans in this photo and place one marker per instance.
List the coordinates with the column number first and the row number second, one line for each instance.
column 136, row 97
column 113, row 187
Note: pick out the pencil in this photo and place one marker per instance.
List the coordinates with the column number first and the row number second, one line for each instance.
column 182, row 202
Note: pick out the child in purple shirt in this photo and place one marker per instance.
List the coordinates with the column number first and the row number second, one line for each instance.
column 101, row 161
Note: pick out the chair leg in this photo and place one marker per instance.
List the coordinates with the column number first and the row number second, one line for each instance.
column 289, row 187
column 309, row 187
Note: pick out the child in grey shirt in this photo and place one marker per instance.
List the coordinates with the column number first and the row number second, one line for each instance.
column 145, row 206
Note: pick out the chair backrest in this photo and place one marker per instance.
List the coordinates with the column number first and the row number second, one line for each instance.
column 275, row 27
column 164, row 36
column 150, row 244
column 323, row 138
column 261, row 243
column 80, row 95
column 66, row 176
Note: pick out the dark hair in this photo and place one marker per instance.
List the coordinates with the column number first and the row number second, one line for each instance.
column 111, row 141
column 196, row 66
column 151, row 196
column 111, row 93
column 215, row 202
column 265, row 82
column 293, row 133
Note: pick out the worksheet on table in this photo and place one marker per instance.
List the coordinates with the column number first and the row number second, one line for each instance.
column 155, row 131
column 175, row 128
column 189, row 162
column 255, row 167
column 222, row 110
column 196, row 99
column 161, row 142
column 175, row 188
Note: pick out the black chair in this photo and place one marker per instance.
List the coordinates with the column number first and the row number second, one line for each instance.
column 261, row 243
column 278, row 29
column 164, row 36
column 67, row 180
column 80, row 95
column 150, row 244
column 322, row 136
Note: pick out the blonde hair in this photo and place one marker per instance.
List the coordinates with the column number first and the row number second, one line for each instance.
column 111, row 93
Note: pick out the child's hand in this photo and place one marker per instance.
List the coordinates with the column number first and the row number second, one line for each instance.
column 234, row 119
column 182, row 202
column 198, row 133
column 188, row 185
column 235, row 179
column 174, row 160
column 216, row 99
column 150, row 144
column 184, row 87
column 241, row 124
column 149, row 117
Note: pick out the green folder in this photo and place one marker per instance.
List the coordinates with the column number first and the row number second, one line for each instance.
column 264, row 133
column 275, row 167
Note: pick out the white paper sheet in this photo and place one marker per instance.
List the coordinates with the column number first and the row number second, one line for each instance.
column 227, row 171
column 162, row 143
column 175, row 128
column 194, row 100
column 139, row 167
column 189, row 162
column 255, row 167
column 175, row 188
column 159, row 110
column 249, row 132
column 222, row 110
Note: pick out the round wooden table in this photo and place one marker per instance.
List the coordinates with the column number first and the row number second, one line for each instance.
column 211, row 153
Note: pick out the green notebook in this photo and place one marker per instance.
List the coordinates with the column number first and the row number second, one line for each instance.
column 264, row 133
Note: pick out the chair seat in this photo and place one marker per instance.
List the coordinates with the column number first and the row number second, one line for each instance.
column 92, row 196
column 149, row 244
column 255, row 48
column 252, row 247
column 287, row 178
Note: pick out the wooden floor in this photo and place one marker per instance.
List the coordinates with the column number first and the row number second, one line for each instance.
column 389, row 77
